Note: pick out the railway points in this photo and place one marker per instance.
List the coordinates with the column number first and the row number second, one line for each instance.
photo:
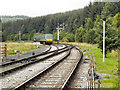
column 12, row 66
column 59, row 67
column 39, row 64
column 58, row 75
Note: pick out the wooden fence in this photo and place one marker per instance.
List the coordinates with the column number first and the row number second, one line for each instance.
column 3, row 51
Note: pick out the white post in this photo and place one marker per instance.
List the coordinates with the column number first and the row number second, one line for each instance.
column 104, row 41
column 58, row 34
column 58, row 30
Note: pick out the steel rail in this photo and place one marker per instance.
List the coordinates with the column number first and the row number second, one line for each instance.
column 66, row 79
column 43, row 71
column 43, row 53
column 32, row 62
column 73, row 71
column 12, row 62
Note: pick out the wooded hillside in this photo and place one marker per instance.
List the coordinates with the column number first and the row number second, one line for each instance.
column 83, row 25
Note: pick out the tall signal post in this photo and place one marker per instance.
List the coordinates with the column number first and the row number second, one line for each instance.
column 104, row 19
column 59, row 28
column 19, row 35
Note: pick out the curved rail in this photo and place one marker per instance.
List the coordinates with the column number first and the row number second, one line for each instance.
column 70, row 79
column 43, row 71
column 17, row 61
column 43, row 53
column 73, row 70
column 19, row 65
column 68, row 64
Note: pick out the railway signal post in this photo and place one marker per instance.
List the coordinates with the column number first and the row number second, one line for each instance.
column 58, row 34
column 104, row 19
column 58, row 30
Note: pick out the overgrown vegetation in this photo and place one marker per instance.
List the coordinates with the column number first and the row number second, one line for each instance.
column 111, row 62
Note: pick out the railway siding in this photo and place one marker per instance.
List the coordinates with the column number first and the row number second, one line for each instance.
column 14, row 58
column 21, row 63
column 15, row 79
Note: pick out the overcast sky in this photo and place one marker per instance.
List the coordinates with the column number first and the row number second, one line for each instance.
column 34, row 8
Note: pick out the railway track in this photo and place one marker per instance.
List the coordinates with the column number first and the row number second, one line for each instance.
column 32, row 70
column 13, row 66
column 49, row 50
column 19, row 60
column 57, row 75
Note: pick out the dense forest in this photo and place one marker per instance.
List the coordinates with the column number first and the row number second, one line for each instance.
column 83, row 25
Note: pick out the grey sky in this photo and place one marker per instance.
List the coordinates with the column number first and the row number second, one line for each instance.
column 39, row 7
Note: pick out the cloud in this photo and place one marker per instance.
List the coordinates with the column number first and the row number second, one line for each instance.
column 39, row 7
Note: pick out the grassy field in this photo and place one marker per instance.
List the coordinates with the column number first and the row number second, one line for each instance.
column 111, row 62
column 12, row 46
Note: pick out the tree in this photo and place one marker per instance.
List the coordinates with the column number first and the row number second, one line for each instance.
column 16, row 37
column 32, row 34
column 55, row 36
column 116, row 27
column 88, row 24
column 0, row 36
column 90, row 36
column 25, row 36
column 106, row 10
column 12, row 37
column 65, row 39
column 69, row 37
column 116, row 21
column 4, row 34
column 79, row 35
column 111, row 36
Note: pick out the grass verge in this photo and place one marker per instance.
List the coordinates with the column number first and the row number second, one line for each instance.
column 22, row 46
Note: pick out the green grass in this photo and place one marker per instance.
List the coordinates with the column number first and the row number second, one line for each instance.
column 111, row 62
column 12, row 46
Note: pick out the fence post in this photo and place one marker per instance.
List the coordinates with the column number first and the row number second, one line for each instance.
column 98, row 83
column 5, row 51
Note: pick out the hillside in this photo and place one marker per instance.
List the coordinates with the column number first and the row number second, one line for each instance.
column 74, row 19
column 83, row 25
